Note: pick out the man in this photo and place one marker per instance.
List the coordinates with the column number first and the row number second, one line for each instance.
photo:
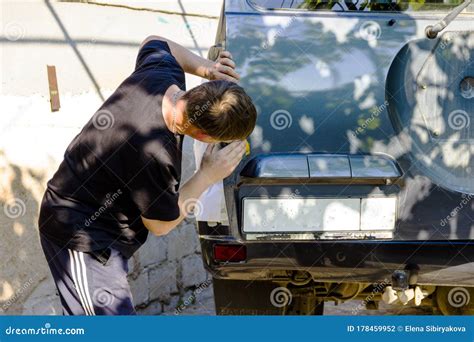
column 120, row 175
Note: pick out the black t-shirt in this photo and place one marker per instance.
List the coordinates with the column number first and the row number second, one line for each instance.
column 124, row 164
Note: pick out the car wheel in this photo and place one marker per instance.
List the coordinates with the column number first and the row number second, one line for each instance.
column 455, row 300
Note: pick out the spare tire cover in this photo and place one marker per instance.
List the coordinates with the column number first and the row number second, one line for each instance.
column 430, row 91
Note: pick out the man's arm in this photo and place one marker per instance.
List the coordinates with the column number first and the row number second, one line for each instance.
column 191, row 63
column 215, row 166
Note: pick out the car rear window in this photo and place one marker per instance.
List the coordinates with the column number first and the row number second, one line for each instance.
column 362, row 5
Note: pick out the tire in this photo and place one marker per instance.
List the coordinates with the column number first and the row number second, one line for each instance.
column 455, row 300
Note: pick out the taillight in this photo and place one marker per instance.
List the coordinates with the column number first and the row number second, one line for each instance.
column 230, row 253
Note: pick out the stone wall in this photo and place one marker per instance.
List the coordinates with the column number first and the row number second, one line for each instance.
column 167, row 270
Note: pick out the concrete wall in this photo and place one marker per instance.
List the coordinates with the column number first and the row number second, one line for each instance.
column 93, row 49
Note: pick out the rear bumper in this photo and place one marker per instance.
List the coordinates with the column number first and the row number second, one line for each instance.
column 444, row 263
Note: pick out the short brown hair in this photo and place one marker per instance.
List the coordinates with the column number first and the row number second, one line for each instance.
column 221, row 109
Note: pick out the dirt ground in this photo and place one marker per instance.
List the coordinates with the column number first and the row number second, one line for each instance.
column 204, row 305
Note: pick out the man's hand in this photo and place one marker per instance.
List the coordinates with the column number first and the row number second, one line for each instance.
column 223, row 68
column 218, row 164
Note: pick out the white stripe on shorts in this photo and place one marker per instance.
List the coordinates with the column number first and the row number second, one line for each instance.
column 76, row 283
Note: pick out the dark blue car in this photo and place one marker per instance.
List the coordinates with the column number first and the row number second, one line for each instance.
column 359, row 183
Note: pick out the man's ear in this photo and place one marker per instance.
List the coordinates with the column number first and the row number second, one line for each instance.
column 200, row 135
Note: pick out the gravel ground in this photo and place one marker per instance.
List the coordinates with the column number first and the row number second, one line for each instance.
column 204, row 305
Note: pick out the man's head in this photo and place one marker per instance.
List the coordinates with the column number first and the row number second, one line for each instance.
column 219, row 111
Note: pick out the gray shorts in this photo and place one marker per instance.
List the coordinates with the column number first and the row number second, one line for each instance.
column 90, row 283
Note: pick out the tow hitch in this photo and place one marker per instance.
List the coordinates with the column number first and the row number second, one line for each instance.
column 404, row 288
